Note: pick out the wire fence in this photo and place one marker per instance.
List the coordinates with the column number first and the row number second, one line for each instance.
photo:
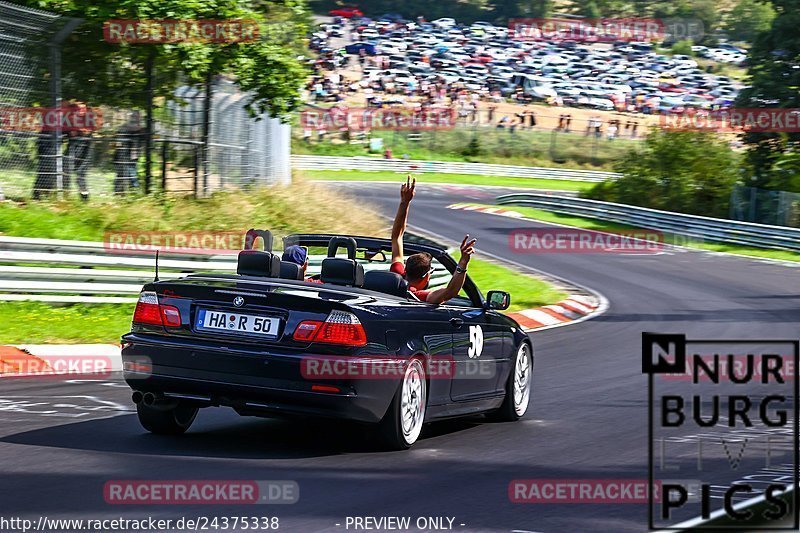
column 53, row 147
column 778, row 208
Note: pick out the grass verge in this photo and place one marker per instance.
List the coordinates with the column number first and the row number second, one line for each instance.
column 457, row 179
column 303, row 206
column 526, row 291
column 42, row 323
column 489, row 145
column 599, row 225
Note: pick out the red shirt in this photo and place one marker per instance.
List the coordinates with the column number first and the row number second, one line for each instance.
column 399, row 268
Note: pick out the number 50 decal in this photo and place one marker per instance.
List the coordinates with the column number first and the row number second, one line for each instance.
column 475, row 341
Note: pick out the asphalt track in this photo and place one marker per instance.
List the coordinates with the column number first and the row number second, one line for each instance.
column 60, row 441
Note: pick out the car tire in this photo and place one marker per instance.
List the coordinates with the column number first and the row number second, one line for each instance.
column 402, row 423
column 174, row 421
column 518, row 387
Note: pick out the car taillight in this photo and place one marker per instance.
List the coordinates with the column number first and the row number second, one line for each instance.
column 149, row 312
column 339, row 328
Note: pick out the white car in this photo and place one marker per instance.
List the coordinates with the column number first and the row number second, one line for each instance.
column 370, row 33
column 488, row 26
column 684, row 61
column 444, row 22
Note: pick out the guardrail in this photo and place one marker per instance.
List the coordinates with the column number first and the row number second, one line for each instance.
column 705, row 228
column 39, row 269
column 373, row 164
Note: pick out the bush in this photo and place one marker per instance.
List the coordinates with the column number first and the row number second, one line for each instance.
column 684, row 171
column 473, row 147
column 683, row 48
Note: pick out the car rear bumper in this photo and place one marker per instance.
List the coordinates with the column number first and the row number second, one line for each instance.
column 253, row 383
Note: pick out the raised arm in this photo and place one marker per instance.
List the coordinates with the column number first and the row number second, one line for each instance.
column 459, row 276
column 399, row 226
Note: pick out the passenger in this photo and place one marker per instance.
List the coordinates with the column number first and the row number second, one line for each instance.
column 299, row 256
column 417, row 269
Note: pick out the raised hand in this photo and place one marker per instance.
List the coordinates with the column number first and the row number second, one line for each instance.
column 467, row 249
column 407, row 190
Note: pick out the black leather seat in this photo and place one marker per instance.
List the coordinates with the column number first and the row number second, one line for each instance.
column 386, row 282
column 291, row 270
column 340, row 271
column 256, row 263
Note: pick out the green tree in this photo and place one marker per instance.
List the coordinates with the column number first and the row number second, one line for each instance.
column 591, row 10
column 774, row 77
column 749, row 18
column 503, row 10
column 117, row 74
column 684, row 171
column 683, row 48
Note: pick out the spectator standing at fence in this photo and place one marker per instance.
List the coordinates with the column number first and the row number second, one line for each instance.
column 79, row 146
column 492, row 109
column 611, row 131
column 130, row 141
column 521, row 117
column 46, row 150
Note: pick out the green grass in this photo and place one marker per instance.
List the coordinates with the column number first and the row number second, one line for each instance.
column 300, row 207
column 42, row 323
column 588, row 223
column 526, row 291
column 527, row 148
column 460, row 179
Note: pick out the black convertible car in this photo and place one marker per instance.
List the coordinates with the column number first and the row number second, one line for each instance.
column 351, row 342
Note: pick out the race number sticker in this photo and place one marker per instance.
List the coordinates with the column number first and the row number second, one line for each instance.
column 475, row 341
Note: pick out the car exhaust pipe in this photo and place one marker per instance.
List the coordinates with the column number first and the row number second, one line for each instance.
column 137, row 397
column 158, row 401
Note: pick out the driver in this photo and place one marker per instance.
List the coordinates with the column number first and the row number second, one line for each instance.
column 417, row 269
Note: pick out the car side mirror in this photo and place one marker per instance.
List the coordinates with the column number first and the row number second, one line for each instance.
column 498, row 300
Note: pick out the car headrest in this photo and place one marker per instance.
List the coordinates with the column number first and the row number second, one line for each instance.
column 347, row 242
column 255, row 263
column 386, row 282
column 342, row 272
column 291, row 270
column 253, row 234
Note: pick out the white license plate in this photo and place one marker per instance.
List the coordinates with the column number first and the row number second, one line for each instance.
column 237, row 323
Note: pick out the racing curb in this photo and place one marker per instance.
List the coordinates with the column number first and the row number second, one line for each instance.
column 36, row 359
column 573, row 308
column 486, row 209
